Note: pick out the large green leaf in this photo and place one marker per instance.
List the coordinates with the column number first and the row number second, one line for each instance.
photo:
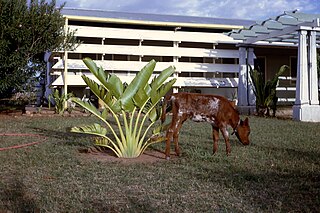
column 140, row 98
column 275, row 79
column 94, row 129
column 117, row 85
column 97, row 72
column 101, row 93
column 157, row 94
column 110, row 82
column 258, row 85
column 140, row 81
column 161, row 78
column 89, row 107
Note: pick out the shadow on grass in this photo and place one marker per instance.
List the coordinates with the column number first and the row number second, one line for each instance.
column 291, row 153
column 130, row 204
column 15, row 198
column 270, row 189
column 290, row 191
column 65, row 138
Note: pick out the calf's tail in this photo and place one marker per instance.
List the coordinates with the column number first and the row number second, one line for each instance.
column 164, row 108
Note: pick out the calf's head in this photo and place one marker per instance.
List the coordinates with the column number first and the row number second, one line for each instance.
column 242, row 131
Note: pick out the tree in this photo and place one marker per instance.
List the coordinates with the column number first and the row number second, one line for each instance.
column 27, row 31
column 131, row 107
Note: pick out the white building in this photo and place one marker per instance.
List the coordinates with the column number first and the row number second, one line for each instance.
column 205, row 58
column 209, row 53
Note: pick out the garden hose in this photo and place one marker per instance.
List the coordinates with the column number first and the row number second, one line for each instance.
column 43, row 138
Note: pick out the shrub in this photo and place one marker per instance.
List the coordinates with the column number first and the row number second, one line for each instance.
column 61, row 102
column 265, row 91
column 131, row 106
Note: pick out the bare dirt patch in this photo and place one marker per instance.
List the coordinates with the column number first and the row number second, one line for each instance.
column 107, row 156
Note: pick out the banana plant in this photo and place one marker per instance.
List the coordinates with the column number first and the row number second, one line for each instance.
column 60, row 101
column 134, row 107
column 265, row 91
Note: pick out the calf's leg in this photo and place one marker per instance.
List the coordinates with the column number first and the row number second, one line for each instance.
column 173, row 132
column 215, row 136
column 226, row 139
column 169, row 136
column 178, row 126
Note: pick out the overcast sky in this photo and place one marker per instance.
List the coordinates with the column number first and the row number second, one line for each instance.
column 241, row 9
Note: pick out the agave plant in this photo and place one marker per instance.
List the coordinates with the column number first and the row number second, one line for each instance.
column 265, row 91
column 134, row 107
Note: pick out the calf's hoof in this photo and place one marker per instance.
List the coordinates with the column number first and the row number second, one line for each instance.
column 167, row 157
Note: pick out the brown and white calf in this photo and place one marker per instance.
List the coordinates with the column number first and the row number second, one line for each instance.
column 216, row 110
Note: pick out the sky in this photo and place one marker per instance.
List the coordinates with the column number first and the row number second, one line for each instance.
column 233, row 9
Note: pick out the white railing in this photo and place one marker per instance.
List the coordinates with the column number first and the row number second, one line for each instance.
column 286, row 89
column 138, row 34
column 77, row 64
column 75, row 79
column 156, row 51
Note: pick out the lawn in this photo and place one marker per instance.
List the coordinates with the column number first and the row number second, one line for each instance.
column 278, row 172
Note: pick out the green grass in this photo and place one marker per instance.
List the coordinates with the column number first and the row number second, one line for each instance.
column 278, row 172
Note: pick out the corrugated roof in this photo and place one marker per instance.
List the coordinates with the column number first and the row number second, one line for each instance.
column 154, row 17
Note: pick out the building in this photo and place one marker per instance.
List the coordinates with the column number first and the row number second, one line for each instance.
column 294, row 32
column 205, row 58
column 210, row 54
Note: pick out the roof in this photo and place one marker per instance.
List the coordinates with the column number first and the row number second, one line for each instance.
column 282, row 28
column 153, row 19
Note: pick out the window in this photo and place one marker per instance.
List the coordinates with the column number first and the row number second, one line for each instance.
column 128, row 42
column 118, row 57
column 74, row 56
column 229, row 61
column 157, row 43
column 92, row 56
column 90, row 40
column 149, row 58
column 196, row 45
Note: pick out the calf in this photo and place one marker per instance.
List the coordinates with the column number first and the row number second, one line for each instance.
column 216, row 110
